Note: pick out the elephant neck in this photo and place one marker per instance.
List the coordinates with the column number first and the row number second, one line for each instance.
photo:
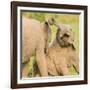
column 55, row 44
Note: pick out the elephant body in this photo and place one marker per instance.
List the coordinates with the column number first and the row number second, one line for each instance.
column 61, row 59
column 34, row 42
column 62, row 53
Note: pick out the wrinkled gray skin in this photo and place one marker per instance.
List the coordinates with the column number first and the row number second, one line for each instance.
column 35, row 42
column 62, row 54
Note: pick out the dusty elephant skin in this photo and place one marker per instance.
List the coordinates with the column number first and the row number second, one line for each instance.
column 62, row 53
column 35, row 41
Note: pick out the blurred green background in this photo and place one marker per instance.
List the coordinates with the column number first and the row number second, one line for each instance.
column 71, row 19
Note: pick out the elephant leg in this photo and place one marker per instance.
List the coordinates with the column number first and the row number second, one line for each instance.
column 25, row 70
column 64, row 70
column 63, row 67
column 41, row 62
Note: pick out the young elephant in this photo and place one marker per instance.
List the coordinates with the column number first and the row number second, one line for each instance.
column 62, row 53
column 35, row 42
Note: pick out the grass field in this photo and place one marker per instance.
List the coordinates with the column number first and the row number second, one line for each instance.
column 71, row 19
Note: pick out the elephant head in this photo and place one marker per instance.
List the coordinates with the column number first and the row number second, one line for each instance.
column 65, row 36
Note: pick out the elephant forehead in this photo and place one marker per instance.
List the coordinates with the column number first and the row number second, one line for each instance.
column 65, row 27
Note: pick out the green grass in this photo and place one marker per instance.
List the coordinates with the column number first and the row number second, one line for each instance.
column 32, row 60
column 71, row 19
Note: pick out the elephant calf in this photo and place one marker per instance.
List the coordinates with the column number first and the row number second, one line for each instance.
column 35, row 42
column 62, row 53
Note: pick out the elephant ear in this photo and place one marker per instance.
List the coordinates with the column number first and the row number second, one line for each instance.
column 51, row 21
